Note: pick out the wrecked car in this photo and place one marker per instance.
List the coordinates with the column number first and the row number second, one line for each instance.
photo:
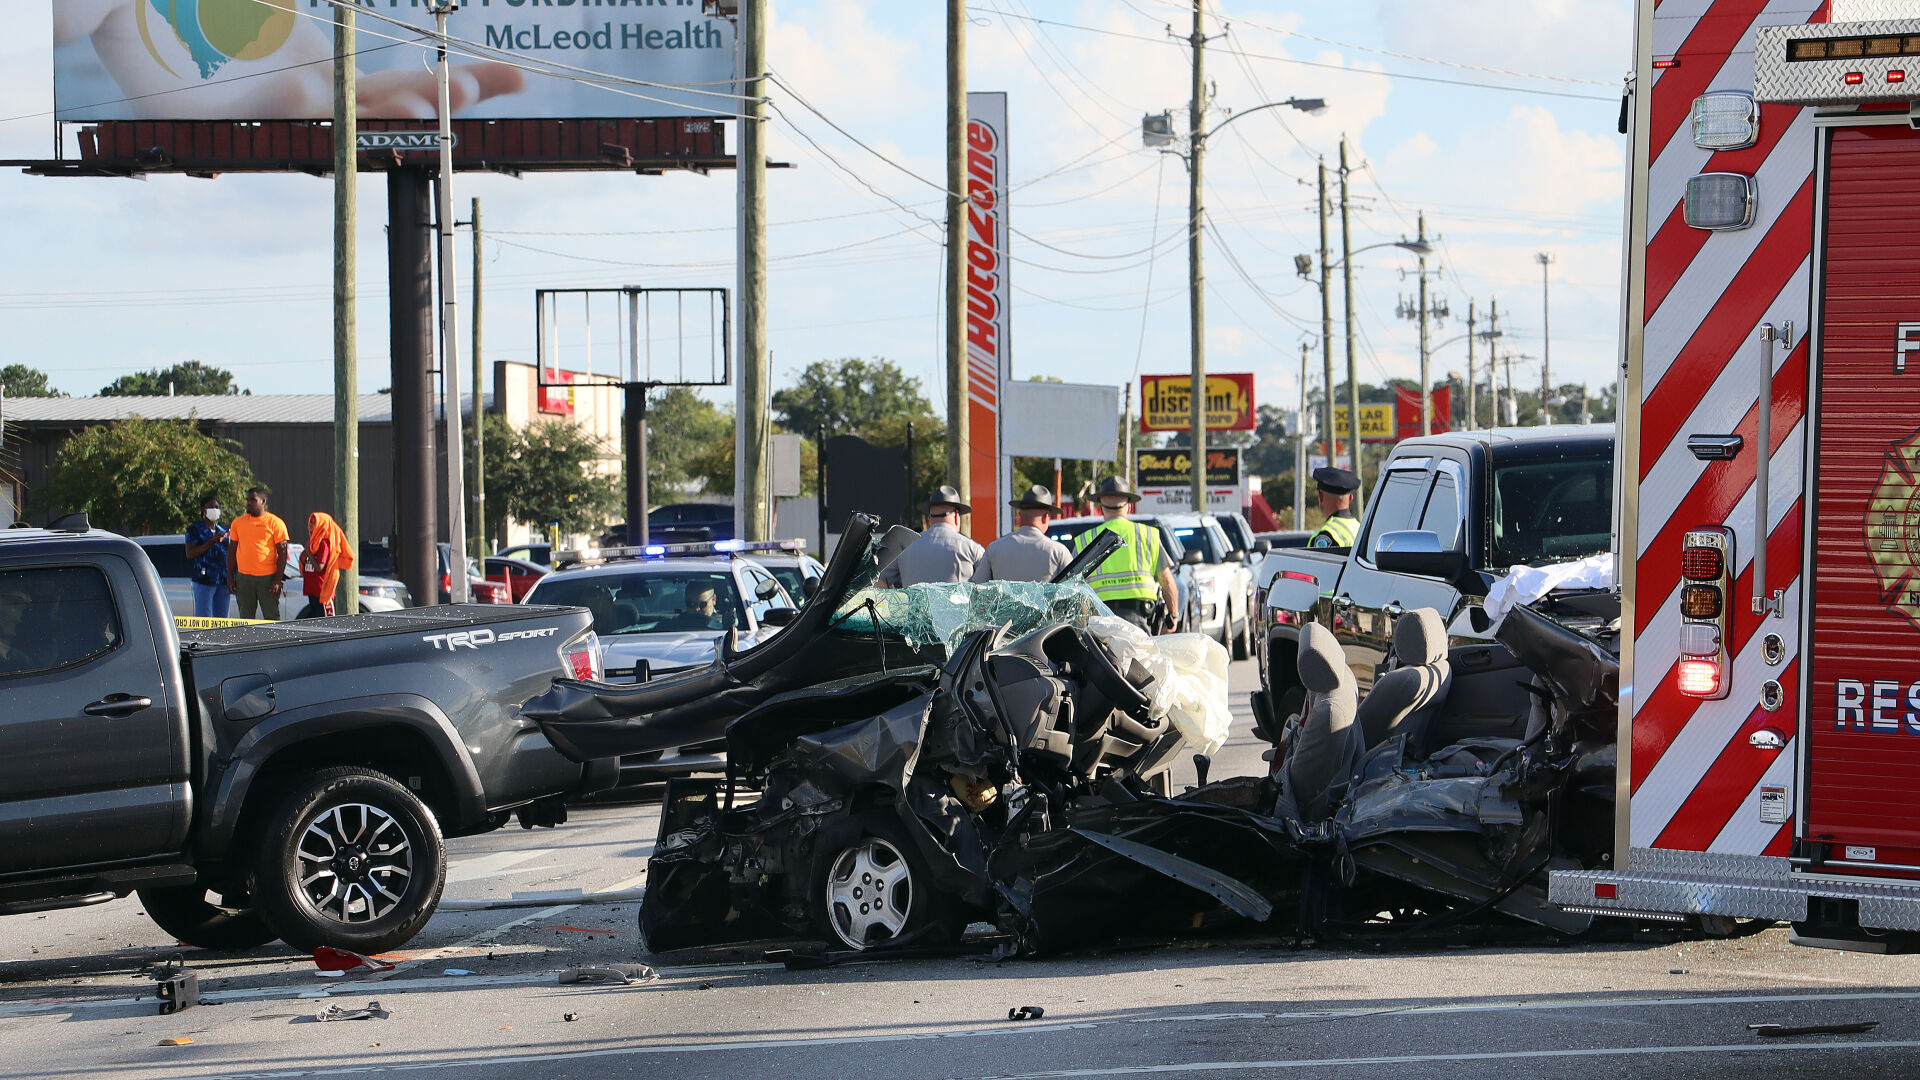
column 911, row 761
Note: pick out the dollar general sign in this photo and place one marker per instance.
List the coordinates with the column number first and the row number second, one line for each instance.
column 1166, row 403
column 1376, row 423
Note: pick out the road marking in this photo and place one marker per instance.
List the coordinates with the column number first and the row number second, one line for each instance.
column 485, row 866
column 829, row 1041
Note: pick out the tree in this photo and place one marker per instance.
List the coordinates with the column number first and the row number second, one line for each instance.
column 19, row 380
column 190, row 378
column 682, row 428
column 139, row 476
column 848, row 395
column 548, row 474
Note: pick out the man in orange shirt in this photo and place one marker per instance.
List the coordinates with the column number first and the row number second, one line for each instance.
column 257, row 559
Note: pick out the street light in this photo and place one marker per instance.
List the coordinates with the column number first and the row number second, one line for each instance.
column 1152, row 135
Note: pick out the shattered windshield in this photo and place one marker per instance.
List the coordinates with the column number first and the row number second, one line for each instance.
column 938, row 616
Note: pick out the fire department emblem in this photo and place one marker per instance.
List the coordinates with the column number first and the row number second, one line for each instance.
column 1893, row 528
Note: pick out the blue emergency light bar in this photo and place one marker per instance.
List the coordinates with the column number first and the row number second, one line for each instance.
column 663, row 551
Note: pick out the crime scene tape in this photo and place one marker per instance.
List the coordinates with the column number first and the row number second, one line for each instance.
column 197, row 622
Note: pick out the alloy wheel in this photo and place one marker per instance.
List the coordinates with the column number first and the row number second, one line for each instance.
column 354, row 863
column 869, row 893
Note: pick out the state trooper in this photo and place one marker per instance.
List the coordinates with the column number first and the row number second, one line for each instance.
column 1138, row 574
column 941, row 553
column 1026, row 553
column 1342, row 528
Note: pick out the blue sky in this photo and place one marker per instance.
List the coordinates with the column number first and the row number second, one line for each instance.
column 107, row 276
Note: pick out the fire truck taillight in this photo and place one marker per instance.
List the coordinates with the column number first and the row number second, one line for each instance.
column 1701, row 563
column 1700, row 678
column 1706, row 566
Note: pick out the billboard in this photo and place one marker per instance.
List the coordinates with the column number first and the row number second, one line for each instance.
column 1164, row 479
column 1061, row 420
column 1166, row 403
column 989, row 312
column 272, row 60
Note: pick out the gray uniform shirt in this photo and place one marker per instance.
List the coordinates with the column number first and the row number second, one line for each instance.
column 1025, row 554
column 940, row 554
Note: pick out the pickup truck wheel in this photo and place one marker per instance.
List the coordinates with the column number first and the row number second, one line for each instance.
column 871, row 889
column 185, row 912
column 351, row 859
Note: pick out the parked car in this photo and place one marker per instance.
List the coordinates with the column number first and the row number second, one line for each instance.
column 518, row 575
column 678, row 523
column 798, row 572
column 1225, row 583
column 1451, row 515
column 537, row 554
column 376, row 557
column 169, row 556
column 648, row 626
column 259, row 782
column 1184, row 578
column 1240, row 535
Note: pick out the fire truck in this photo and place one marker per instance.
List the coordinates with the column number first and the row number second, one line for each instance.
column 1769, row 473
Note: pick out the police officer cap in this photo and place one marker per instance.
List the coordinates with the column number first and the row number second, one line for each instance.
column 1037, row 497
column 949, row 497
column 1113, row 486
column 1335, row 481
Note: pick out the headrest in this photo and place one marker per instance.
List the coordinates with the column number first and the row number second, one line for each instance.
column 1419, row 637
column 1323, row 667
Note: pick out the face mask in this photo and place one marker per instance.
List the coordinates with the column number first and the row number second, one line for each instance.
column 213, row 513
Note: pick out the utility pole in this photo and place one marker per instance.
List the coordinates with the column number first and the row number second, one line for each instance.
column 1196, row 278
column 1326, row 324
column 1353, row 376
column 1545, row 259
column 1493, row 363
column 449, row 325
column 1470, row 326
column 479, row 371
column 1513, row 399
column 752, row 504
column 1300, row 423
column 346, row 357
column 1426, row 377
column 959, row 441
column 1126, row 427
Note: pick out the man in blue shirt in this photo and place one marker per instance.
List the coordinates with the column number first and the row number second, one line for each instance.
column 207, row 561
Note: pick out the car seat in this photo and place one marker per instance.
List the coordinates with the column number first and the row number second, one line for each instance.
column 1322, row 746
column 1405, row 700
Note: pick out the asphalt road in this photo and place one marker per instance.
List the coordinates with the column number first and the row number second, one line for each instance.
column 477, row 995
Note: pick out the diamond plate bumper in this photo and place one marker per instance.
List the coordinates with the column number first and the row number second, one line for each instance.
column 1777, row 80
column 1736, row 886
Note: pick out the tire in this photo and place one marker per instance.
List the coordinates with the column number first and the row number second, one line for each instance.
column 1243, row 641
column 871, row 849
column 359, row 827
column 184, row 912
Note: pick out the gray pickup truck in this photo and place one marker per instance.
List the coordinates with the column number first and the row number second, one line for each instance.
column 254, row 782
column 1449, row 516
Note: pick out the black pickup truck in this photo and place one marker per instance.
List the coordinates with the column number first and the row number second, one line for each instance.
column 1449, row 516
column 253, row 782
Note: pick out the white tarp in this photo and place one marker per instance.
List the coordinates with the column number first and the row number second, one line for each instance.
column 272, row 60
column 1189, row 687
column 1524, row 585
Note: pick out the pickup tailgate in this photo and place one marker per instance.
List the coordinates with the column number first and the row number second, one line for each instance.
column 455, row 676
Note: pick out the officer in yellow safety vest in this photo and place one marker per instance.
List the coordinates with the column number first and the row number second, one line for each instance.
column 1336, row 501
column 1138, row 573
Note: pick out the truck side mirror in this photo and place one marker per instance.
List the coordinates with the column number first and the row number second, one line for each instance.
column 1261, row 547
column 1193, row 557
column 780, row 616
column 1418, row 552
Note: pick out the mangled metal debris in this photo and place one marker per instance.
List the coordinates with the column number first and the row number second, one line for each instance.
column 904, row 762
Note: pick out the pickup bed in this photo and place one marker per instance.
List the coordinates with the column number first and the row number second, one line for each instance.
column 254, row 782
column 1449, row 516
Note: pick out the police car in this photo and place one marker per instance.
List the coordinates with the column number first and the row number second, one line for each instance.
column 659, row 608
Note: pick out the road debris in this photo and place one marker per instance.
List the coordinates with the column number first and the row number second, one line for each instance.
column 1776, row 1031
column 1026, row 1012
column 456, row 971
column 612, row 974
column 373, row 1011
column 570, row 1017
column 177, row 1040
column 328, row 958
column 176, row 992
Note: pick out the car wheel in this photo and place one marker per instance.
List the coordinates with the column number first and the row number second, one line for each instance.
column 350, row 858
column 185, row 912
column 871, row 889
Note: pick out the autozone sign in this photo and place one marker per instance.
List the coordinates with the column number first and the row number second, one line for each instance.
column 989, row 307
